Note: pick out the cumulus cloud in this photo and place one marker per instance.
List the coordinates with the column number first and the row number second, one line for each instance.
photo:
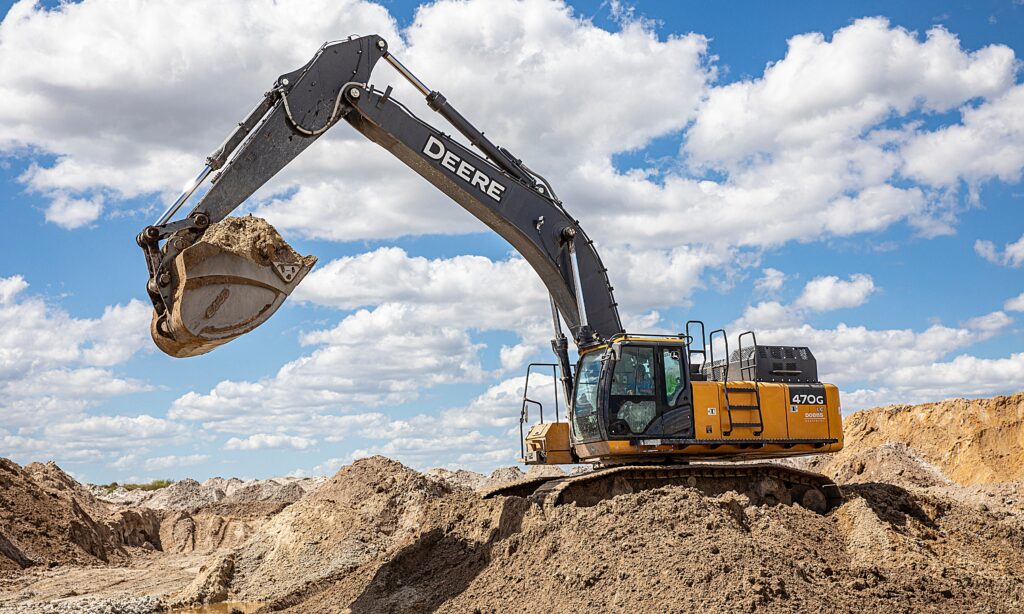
column 767, row 315
column 55, row 367
column 262, row 441
column 879, row 366
column 770, row 282
column 390, row 355
column 71, row 213
column 832, row 89
column 1011, row 255
column 52, row 364
column 814, row 147
column 99, row 91
column 1015, row 304
column 987, row 144
column 160, row 463
column 830, row 292
column 989, row 323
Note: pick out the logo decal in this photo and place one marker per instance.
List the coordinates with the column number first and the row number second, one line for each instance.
column 435, row 150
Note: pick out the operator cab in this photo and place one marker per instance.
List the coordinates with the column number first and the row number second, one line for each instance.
column 634, row 386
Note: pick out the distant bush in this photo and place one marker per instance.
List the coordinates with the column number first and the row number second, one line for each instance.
column 154, row 485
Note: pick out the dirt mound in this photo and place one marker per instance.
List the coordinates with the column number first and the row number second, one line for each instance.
column 460, row 478
column 121, row 495
column 48, row 518
column 185, row 495
column 267, row 490
column 364, row 512
column 208, row 531
column 228, row 486
column 684, row 551
column 893, row 463
column 505, row 475
column 254, row 238
column 971, row 441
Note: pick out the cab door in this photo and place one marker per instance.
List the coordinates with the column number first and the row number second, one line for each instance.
column 633, row 392
column 649, row 393
column 675, row 398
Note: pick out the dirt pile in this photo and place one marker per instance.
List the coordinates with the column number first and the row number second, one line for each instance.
column 380, row 537
column 359, row 515
column 185, row 495
column 47, row 519
column 459, row 478
column 886, row 547
column 255, row 239
column 228, row 486
column 971, row 441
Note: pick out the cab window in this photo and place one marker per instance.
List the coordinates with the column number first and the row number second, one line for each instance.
column 584, row 417
column 633, row 391
column 672, row 363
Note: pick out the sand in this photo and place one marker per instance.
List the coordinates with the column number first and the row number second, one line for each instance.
column 921, row 530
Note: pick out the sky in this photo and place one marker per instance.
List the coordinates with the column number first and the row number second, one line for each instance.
column 842, row 175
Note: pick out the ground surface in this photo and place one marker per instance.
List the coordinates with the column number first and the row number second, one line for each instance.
column 933, row 521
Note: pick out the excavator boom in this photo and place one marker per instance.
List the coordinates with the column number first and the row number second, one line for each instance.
column 496, row 187
column 639, row 404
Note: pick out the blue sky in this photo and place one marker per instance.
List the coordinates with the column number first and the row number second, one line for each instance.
column 771, row 177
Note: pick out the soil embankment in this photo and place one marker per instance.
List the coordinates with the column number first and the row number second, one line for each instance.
column 933, row 521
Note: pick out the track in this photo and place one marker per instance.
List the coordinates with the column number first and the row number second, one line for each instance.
column 763, row 483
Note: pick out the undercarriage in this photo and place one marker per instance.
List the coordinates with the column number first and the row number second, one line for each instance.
column 762, row 483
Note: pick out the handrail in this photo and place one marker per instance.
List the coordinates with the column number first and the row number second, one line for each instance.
column 752, row 361
column 524, row 412
column 703, row 343
column 711, row 348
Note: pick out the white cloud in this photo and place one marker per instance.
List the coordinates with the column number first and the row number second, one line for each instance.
column 833, row 89
column 812, row 148
column 830, row 292
column 100, row 88
column 989, row 143
column 72, row 213
column 767, row 315
column 1012, row 254
column 111, row 432
column 989, row 323
column 1015, row 304
column 472, row 291
column 52, row 365
column 390, row 355
column 55, row 367
column 874, row 367
column 263, row 441
column 161, row 463
column 10, row 287
column 770, row 282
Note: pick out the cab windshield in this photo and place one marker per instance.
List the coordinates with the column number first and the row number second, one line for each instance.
column 584, row 417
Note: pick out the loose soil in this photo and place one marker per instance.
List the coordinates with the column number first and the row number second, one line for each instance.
column 922, row 530
column 253, row 238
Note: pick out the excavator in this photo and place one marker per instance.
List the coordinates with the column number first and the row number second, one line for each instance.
column 644, row 410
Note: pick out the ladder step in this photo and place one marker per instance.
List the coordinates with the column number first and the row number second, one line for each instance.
column 743, row 407
column 746, row 424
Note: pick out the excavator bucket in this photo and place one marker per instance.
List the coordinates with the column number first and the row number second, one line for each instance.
column 226, row 284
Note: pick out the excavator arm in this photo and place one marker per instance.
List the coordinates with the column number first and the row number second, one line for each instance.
column 493, row 185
